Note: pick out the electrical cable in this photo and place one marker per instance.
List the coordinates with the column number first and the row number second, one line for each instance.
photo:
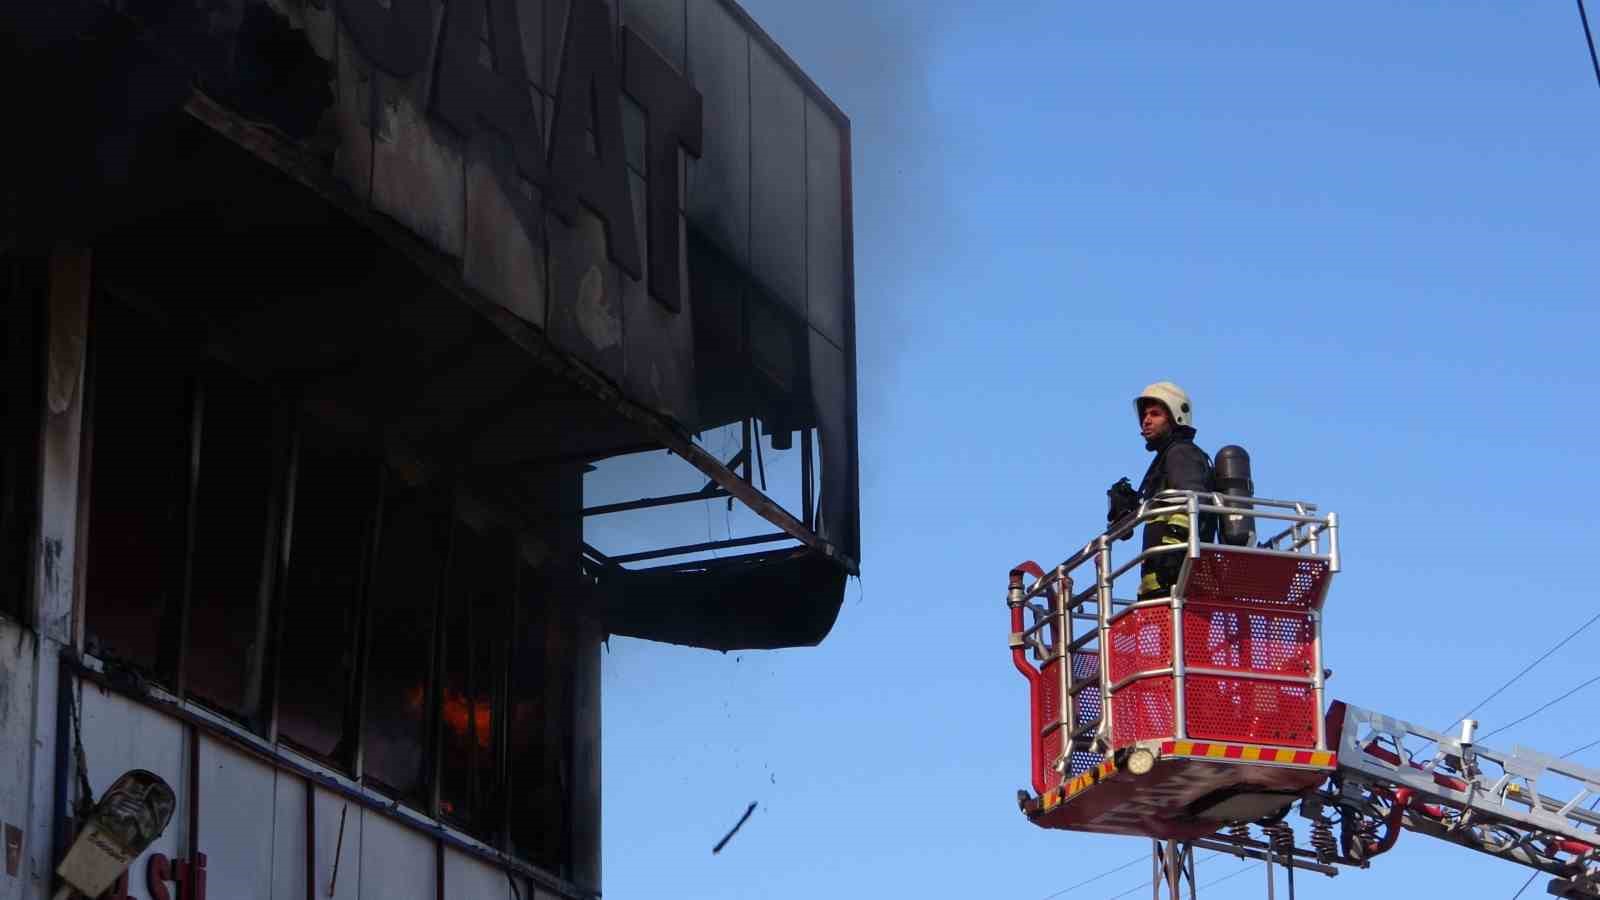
column 1525, row 669
column 1135, row 861
column 1142, row 885
column 1541, row 709
column 1594, row 60
column 1247, row 868
column 1575, row 752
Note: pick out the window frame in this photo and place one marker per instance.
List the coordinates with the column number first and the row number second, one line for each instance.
column 449, row 496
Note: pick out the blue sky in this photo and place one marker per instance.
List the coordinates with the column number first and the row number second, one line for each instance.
column 1365, row 236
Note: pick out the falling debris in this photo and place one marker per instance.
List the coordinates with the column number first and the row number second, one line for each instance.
column 736, row 826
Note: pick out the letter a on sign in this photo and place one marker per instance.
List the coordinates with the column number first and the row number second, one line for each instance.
column 590, row 97
column 492, row 104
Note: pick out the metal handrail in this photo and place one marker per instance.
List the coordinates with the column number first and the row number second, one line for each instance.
column 1096, row 603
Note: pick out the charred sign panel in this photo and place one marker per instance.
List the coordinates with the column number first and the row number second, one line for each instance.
column 651, row 183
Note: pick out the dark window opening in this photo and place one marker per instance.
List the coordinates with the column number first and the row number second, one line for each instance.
column 409, row 646
column 231, row 564
column 476, row 620
column 19, row 434
column 539, row 723
column 330, row 548
column 139, row 439
column 412, row 547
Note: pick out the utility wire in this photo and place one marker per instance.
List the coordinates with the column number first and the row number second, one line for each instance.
column 1575, row 752
column 1529, row 667
column 1142, row 885
column 1587, row 36
column 1541, row 709
column 1247, row 867
column 1135, row 861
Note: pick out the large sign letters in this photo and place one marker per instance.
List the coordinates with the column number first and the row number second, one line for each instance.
column 495, row 105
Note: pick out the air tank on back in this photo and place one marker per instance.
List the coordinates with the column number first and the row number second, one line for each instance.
column 1231, row 474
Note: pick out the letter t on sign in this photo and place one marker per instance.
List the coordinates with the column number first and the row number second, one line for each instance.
column 673, row 109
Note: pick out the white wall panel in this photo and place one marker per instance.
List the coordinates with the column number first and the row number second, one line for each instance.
column 466, row 878
column 339, row 863
column 289, row 838
column 397, row 863
column 119, row 735
column 16, row 736
column 237, row 804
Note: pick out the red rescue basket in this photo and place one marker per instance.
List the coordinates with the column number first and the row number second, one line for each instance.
column 1171, row 716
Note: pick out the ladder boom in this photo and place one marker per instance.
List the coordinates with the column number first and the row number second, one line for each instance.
column 1525, row 806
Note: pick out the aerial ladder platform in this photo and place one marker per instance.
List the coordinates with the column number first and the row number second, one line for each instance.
column 1198, row 717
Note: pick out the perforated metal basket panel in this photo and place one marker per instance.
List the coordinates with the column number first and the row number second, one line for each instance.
column 1250, row 579
column 1142, row 710
column 1245, row 640
column 1087, row 711
column 1242, row 710
column 1050, row 711
column 1082, row 761
column 1086, row 665
column 1141, row 641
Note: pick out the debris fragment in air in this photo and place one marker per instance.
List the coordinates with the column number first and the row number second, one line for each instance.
column 736, row 826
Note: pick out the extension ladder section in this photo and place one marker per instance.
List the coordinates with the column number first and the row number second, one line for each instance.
column 1184, row 711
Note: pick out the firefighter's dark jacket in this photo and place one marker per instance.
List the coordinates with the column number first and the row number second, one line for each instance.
column 1179, row 466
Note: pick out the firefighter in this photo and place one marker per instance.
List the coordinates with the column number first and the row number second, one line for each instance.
column 1166, row 420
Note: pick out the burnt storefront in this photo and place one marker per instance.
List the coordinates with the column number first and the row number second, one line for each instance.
column 326, row 322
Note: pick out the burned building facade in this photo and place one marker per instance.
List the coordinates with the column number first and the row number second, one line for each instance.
column 317, row 314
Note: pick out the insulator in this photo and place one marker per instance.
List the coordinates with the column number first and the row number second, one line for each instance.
column 1322, row 840
column 1281, row 837
column 1240, row 831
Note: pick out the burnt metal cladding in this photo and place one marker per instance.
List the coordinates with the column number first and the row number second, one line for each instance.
column 478, row 101
column 652, row 184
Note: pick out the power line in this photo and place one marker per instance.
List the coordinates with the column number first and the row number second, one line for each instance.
column 1247, row 867
column 1138, row 887
column 1142, row 885
column 1541, row 709
column 1594, row 60
column 1529, row 667
column 1136, row 860
column 1595, row 742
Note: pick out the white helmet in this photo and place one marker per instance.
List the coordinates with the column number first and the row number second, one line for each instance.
column 1174, row 398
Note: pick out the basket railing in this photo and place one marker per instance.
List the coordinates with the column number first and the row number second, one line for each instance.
column 1072, row 622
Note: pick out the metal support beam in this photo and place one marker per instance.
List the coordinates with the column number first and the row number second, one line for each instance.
column 1253, row 850
column 599, row 557
column 709, row 492
column 807, row 501
column 701, row 548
